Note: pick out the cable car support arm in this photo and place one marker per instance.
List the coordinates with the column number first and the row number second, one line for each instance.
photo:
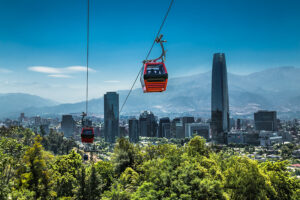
column 162, row 57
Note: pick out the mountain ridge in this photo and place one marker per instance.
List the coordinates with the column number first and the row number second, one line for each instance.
column 273, row 88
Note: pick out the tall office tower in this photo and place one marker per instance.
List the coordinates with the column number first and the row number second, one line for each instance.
column 219, row 100
column 265, row 120
column 133, row 130
column 238, row 124
column 164, row 128
column 68, row 125
column 148, row 124
column 111, row 116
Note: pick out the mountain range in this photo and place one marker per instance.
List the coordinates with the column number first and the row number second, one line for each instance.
column 272, row 89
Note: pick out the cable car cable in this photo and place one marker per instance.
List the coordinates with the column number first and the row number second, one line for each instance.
column 160, row 28
column 87, row 132
column 87, row 56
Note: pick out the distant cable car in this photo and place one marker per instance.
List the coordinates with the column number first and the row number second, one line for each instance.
column 154, row 77
column 85, row 157
column 87, row 135
column 87, row 132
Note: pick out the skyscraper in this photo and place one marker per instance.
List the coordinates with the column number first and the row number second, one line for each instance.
column 148, row 124
column 265, row 120
column 133, row 130
column 164, row 128
column 186, row 120
column 219, row 100
column 111, row 116
column 177, row 130
column 68, row 125
column 201, row 129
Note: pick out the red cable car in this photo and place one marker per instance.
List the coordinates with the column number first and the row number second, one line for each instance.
column 87, row 132
column 155, row 76
column 87, row 135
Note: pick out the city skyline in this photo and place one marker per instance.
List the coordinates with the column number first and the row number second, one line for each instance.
column 43, row 51
column 75, row 122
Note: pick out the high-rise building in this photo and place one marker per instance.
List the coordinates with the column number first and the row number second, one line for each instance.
column 186, row 120
column 37, row 121
column 164, row 129
column 111, row 116
column 219, row 100
column 68, row 125
column 148, row 124
column 265, row 120
column 97, row 131
column 201, row 129
column 22, row 117
column 236, row 137
column 177, row 129
column 238, row 124
column 133, row 130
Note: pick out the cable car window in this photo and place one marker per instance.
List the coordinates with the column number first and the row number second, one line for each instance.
column 155, row 69
column 88, row 132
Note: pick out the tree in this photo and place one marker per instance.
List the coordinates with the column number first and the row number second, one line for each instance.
column 55, row 142
column 94, row 185
column 81, row 192
column 197, row 147
column 105, row 170
column 124, row 155
column 35, row 175
column 65, row 169
column 245, row 180
column 4, row 188
column 129, row 180
column 284, row 185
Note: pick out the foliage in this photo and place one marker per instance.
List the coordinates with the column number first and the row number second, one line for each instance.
column 245, row 180
column 284, row 185
column 56, row 143
column 65, row 170
column 34, row 175
column 124, row 155
column 50, row 167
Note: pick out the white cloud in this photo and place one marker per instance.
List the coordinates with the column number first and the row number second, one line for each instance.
column 62, row 72
column 78, row 69
column 46, row 70
column 2, row 70
column 59, row 76
column 112, row 81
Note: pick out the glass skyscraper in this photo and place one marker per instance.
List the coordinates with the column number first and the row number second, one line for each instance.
column 133, row 130
column 111, row 116
column 219, row 100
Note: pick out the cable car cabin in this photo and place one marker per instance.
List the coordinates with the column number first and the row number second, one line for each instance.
column 87, row 135
column 155, row 77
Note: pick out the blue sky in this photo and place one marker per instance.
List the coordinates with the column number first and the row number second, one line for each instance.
column 43, row 43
